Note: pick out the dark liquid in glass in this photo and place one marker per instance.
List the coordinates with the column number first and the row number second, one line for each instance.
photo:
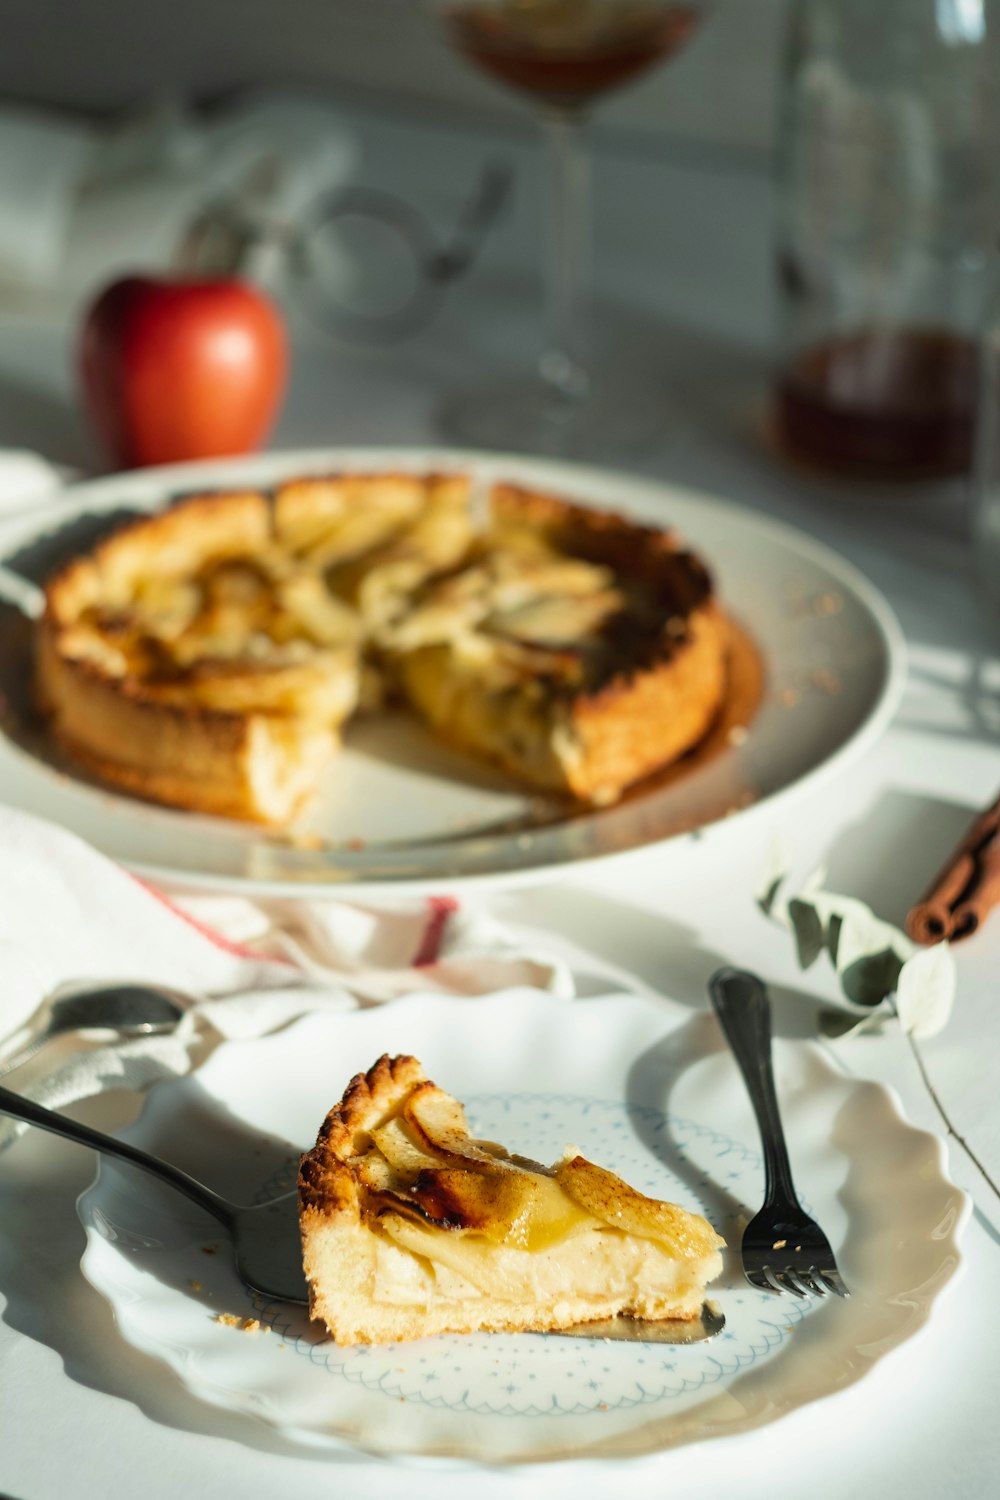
column 567, row 55
column 893, row 404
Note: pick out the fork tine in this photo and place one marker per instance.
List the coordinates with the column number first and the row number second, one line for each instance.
column 835, row 1282
column 794, row 1280
column 810, row 1280
column 780, row 1281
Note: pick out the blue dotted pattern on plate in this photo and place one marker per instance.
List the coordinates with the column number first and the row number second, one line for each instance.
column 521, row 1375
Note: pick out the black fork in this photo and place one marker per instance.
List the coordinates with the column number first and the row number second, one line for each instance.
column 783, row 1249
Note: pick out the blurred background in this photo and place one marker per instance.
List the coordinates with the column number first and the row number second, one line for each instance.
column 818, row 172
column 109, row 55
column 119, row 122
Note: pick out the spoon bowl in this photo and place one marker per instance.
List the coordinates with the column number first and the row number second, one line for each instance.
column 128, row 1009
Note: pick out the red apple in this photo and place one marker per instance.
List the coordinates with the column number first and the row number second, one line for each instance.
column 177, row 369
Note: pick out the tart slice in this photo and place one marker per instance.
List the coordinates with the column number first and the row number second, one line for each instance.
column 411, row 1227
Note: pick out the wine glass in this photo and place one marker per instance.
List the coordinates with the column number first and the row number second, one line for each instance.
column 564, row 55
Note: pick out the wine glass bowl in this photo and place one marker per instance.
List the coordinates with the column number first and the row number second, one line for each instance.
column 564, row 55
column 567, row 53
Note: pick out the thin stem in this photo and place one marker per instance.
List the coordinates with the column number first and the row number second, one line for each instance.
column 563, row 364
column 939, row 1106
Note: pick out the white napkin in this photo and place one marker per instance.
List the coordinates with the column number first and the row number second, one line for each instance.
column 26, row 479
column 82, row 202
column 69, row 916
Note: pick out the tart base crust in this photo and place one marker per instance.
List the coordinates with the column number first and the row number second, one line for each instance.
column 255, row 767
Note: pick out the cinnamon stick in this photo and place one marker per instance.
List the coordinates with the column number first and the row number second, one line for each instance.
column 965, row 890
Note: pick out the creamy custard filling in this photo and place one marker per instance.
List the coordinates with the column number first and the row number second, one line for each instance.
column 596, row 1263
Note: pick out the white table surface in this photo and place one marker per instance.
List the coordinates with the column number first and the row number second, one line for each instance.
column 82, row 1414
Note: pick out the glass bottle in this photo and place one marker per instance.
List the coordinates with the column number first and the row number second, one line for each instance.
column 888, row 209
column 986, row 456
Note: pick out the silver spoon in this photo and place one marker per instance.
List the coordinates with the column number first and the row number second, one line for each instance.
column 129, row 1009
column 266, row 1242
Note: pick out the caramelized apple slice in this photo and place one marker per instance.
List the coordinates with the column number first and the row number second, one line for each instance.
column 375, row 1173
column 439, row 1126
column 499, row 1205
column 400, row 1150
column 428, row 1157
column 512, row 1208
column 610, row 1199
column 555, row 621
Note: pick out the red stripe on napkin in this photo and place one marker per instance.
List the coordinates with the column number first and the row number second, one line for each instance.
column 429, row 951
column 219, row 939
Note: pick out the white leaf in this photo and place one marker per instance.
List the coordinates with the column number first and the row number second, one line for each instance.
column 925, row 991
column 863, row 934
column 843, row 1022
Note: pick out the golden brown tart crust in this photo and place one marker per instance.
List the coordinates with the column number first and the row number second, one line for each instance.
column 208, row 656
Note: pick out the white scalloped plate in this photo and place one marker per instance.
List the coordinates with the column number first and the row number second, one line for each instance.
column 397, row 810
column 644, row 1088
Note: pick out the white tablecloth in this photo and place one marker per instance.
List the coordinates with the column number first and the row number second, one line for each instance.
column 82, row 1413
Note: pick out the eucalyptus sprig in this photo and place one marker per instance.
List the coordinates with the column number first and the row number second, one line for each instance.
column 880, row 970
column 882, row 974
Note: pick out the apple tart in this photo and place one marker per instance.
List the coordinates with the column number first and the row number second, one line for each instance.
column 411, row 1227
column 209, row 656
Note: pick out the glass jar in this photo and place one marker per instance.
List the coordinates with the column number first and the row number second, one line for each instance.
column 888, row 211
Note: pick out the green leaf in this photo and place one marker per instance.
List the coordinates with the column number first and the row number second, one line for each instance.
column 871, row 978
column 808, row 931
column 833, row 932
column 772, row 877
column 767, row 897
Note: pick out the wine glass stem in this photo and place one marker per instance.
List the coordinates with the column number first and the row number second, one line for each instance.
column 563, row 364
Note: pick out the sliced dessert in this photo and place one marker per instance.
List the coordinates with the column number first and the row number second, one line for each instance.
column 208, row 656
column 411, row 1227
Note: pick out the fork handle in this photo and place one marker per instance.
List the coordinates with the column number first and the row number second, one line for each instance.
column 741, row 1003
